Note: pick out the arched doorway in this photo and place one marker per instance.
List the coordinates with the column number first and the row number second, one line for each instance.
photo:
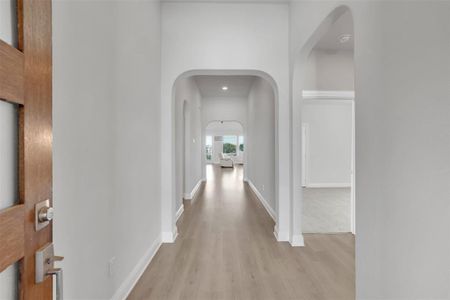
column 263, row 83
column 334, row 34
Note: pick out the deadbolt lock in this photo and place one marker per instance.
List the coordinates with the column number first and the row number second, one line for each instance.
column 43, row 214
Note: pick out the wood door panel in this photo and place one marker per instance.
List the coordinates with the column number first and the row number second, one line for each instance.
column 26, row 79
column 11, row 73
column 36, row 154
column 12, row 235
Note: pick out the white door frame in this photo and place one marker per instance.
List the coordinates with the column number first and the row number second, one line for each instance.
column 353, row 171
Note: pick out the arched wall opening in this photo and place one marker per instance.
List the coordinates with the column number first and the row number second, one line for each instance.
column 263, row 83
column 300, row 84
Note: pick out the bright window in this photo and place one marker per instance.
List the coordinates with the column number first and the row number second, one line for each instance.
column 229, row 144
column 241, row 143
column 208, row 145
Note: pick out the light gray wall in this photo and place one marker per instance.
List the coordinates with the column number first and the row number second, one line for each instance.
column 260, row 142
column 329, row 142
column 137, row 128
column 106, row 133
column 187, row 91
column 402, row 143
column 330, row 70
column 83, row 144
column 224, row 108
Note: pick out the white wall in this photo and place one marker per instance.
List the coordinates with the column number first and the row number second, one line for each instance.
column 224, row 36
column 330, row 70
column 187, row 91
column 224, row 109
column 106, row 133
column 329, row 142
column 137, row 128
column 260, row 143
column 402, row 143
column 83, row 144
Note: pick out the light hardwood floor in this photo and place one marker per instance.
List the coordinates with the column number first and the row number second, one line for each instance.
column 226, row 250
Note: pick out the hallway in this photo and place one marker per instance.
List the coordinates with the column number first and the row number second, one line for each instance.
column 226, row 250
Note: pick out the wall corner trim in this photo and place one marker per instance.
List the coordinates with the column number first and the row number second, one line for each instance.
column 180, row 212
column 266, row 205
column 191, row 195
column 297, row 241
column 130, row 281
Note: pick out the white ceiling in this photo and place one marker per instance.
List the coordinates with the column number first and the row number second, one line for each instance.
column 211, row 85
column 330, row 41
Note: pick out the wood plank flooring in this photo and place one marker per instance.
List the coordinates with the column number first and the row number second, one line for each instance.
column 226, row 250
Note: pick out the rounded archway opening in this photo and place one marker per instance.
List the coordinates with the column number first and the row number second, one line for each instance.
column 324, row 141
column 233, row 108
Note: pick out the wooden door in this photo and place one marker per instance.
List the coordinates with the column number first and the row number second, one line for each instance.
column 26, row 80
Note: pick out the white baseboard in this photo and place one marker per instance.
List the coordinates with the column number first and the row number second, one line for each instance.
column 263, row 201
column 169, row 236
column 179, row 212
column 281, row 236
column 328, row 185
column 127, row 285
column 191, row 195
column 297, row 241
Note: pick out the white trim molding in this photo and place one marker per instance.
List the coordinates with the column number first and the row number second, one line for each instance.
column 297, row 241
column 169, row 236
column 263, row 201
column 130, row 281
column 281, row 236
column 179, row 212
column 191, row 195
column 336, row 95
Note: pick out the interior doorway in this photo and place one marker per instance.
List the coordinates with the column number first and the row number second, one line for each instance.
column 226, row 122
column 224, row 144
column 328, row 132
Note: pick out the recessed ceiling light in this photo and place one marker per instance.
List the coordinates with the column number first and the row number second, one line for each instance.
column 344, row 38
column 224, row 88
